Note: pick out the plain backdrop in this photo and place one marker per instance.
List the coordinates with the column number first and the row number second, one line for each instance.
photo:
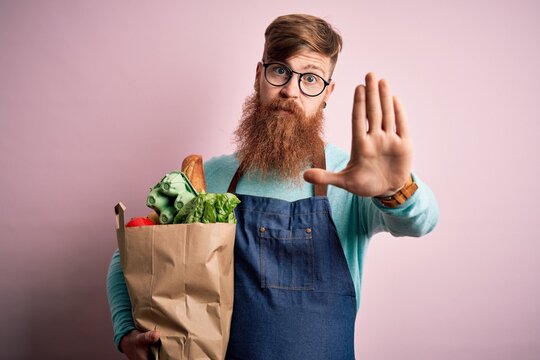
column 99, row 99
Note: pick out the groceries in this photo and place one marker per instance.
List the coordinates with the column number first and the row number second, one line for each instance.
column 208, row 208
column 176, row 198
column 169, row 195
column 180, row 272
column 140, row 221
column 193, row 168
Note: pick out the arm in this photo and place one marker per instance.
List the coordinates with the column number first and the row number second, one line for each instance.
column 415, row 217
column 119, row 302
column 126, row 337
column 380, row 165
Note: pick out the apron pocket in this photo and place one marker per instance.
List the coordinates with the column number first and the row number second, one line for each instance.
column 286, row 258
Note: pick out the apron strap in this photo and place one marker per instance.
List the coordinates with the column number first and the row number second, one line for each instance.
column 319, row 161
column 235, row 179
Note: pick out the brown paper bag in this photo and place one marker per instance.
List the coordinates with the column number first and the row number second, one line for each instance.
column 180, row 281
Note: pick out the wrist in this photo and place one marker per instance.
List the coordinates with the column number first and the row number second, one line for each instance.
column 391, row 193
column 397, row 198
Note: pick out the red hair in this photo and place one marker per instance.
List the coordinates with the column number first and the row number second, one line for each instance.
column 287, row 35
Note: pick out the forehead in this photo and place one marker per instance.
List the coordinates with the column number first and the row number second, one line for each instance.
column 310, row 61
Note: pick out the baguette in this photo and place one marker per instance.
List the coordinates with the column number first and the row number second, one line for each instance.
column 193, row 168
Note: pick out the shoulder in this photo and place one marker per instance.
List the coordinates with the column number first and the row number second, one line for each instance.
column 220, row 162
column 336, row 158
column 218, row 172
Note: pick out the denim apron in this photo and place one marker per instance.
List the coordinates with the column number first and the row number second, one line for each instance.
column 293, row 293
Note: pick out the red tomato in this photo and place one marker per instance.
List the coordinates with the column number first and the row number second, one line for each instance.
column 139, row 221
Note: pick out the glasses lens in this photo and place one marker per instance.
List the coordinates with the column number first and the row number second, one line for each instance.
column 277, row 74
column 311, row 84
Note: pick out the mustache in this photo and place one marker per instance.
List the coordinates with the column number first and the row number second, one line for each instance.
column 287, row 105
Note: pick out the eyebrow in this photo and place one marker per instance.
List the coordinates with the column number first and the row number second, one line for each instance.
column 307, row 67
column 314, row 67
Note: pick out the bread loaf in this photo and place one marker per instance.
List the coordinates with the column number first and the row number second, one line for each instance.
column 193, row 167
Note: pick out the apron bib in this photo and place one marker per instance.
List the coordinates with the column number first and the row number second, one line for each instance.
column 293, row 293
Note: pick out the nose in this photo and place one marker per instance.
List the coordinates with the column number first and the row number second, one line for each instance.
column 292, row 88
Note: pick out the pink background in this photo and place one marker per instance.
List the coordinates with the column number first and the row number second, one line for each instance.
column 98, row 99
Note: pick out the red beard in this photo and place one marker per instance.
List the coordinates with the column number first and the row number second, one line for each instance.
column 274, row 143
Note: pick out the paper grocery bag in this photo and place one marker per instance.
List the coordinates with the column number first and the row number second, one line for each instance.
column 180, row 280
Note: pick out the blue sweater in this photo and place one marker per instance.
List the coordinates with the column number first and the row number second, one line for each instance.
column 356, row 218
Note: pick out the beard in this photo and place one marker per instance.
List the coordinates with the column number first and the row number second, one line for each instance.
column 274, row 143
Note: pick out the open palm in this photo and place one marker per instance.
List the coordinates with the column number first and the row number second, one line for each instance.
column 381, row 151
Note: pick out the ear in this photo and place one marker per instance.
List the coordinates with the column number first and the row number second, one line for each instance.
column 328, row 91
column 258, row 72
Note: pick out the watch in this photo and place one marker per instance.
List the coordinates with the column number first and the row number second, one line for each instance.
column 401, row 196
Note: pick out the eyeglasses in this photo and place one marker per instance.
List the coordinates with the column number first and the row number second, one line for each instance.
column 310, row 84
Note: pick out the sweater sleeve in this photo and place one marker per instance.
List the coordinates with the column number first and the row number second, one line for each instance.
column 119, row 302
column 416, row 217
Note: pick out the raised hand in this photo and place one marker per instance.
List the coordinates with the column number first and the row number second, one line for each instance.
column 381, row 151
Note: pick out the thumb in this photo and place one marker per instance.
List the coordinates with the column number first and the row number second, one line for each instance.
column 148, row 337
column 323, row 177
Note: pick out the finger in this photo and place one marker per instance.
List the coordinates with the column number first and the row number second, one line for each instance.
column 402, row 127
column 359, row 126
column 374, row 111
column 322, row 177
column 388, row 119
column 148, row 337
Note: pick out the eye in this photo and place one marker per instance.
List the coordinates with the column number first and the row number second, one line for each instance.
column 310, row 79
column 280, row 70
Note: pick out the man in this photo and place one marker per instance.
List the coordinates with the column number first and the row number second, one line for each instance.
column 298, row 257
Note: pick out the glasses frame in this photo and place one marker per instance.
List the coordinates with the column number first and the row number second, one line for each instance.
column 291, row 72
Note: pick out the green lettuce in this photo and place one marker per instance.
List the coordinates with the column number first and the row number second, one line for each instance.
column 208, row 208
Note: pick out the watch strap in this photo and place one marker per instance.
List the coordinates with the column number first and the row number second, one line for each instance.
column 401, row 196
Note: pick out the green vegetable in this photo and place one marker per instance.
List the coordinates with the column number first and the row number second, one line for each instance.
column 208, row 208
column 169, row 195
